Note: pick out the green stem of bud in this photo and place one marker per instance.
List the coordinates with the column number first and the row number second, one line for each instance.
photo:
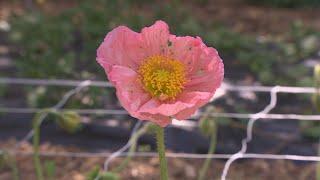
column 206, row 164
column 37, row 121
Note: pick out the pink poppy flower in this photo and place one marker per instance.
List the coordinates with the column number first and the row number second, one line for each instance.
column 159, row 76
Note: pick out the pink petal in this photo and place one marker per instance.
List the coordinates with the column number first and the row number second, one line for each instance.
column 182, row 108
column 185, row 49
column 204, row 66
column 132, row 96
column 198, row 99
column 208, row 72
column 159, row 119
column 155, row 38
column 121, row 46
column 129, row 90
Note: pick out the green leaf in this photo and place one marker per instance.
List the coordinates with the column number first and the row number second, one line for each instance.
column 92, row 175
column 50, row 169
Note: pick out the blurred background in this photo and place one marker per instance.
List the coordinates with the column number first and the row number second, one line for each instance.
column 262, row 42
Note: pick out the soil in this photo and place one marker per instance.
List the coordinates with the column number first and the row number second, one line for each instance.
column 254, row 19
column 148, row 168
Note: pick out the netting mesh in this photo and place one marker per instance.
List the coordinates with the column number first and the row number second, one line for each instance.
column 241, row 154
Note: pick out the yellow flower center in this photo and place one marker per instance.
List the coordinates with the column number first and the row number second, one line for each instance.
column 162, row 77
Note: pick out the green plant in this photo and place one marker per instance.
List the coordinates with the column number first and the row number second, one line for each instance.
column 50, row 169
column 208, row 127
column 95, row 174
column 67, row 120
column 312, row 129
column 64, row 45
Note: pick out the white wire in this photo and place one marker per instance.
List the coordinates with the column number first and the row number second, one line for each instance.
column 123, row 112
column 171, row 155
column 123, row 149
column 231, row 158
column 51, row 82
column 248, row 138
column 58, row 82
column 64, row 99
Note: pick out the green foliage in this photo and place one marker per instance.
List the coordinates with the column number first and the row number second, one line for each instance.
column 50, row 169
column 312, row 129
column 207, row 126
column 273, row 61
column 109, row 176
column 95, row 174
column 91, row 175
column 64, row 45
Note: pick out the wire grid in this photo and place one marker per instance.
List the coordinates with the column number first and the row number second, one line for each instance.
column 264, row 114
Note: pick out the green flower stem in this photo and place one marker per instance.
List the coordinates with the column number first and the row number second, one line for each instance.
column 206, row 164
column 133, row 147
column 161, row 152
column 36, row 141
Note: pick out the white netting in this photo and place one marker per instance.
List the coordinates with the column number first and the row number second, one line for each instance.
column 242, row 154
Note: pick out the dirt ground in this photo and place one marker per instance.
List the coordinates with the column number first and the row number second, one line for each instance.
column 148, row 168
column 253, row 19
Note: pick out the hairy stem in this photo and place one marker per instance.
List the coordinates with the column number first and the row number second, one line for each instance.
column 37, row 121
column 36, row 140
column 161, row 152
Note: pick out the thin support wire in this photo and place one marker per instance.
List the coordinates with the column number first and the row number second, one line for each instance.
column 59, row 105
column 123, row 149
column 228, row 87
column 264, row 114
column 245, row 141
column 123, row 112
column 171, row 155
column 51, row 82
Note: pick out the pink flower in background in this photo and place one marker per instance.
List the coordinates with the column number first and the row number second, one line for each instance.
column 159, row 76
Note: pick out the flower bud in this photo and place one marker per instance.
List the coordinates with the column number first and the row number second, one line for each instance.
column 69, row 121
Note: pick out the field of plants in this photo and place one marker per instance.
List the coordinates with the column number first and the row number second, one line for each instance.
column 52, row 118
